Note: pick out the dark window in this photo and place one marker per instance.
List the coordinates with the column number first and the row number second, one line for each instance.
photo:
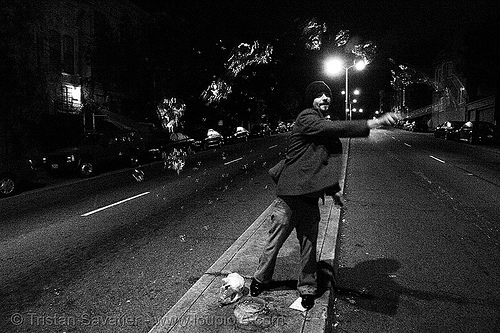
column 68, row 55
column 39, row 51
column 55, row 50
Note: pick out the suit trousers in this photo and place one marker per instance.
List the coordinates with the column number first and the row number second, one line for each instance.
column 289, row 212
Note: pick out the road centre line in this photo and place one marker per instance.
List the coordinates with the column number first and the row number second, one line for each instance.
column 407, row 145
column 236, row 160
column 114, row 204
column 273, row 147
column 437, row 159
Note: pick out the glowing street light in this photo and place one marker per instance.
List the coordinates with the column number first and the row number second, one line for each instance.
column 334, row 66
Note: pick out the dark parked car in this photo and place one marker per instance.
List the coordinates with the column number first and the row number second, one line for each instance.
column 260, row 130
column 281, row 127
column 15, row 174
column 476, row 132
column 448, row 130
column 97, row 151
column 239, row 135
column 418, row 126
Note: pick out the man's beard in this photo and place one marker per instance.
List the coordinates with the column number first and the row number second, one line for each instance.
column 324, row 107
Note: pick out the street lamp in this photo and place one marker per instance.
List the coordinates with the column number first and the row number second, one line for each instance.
column 352, row 101
column 334, row 65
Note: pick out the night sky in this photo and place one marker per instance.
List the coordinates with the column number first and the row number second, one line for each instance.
column 408, row 32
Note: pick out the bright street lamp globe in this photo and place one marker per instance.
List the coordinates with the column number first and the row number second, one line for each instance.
column 360, row 65
column 333, row 66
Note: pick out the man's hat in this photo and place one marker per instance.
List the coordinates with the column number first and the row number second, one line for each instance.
column 314, row 90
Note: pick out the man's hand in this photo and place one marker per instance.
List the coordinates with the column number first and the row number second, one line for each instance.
column 386, row 119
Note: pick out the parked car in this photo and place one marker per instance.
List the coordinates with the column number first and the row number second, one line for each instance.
column 207, row 138
column 240, row 134
column 182, row 142
column 15, row 174
column 475, row 132
column 260, row 130
column 155, row 139
column 406, row 124
column 97, row 151
column 448, row 130
column 282, row 127
column 399, row 123
column 159, row 142
column 418, row 126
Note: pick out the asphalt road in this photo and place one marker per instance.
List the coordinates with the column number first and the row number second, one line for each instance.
column 419, row 236
column 113, row 254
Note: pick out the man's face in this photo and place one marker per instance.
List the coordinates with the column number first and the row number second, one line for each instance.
column 321, row 102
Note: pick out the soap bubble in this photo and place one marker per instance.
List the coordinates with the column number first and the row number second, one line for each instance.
column 138, row 175
column 312, row 32
column 342, row 38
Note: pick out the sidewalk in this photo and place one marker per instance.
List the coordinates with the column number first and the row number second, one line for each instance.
column 198, row 310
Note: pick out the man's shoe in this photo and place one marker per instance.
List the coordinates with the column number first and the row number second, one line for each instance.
column 256, row 288
column 307, row 301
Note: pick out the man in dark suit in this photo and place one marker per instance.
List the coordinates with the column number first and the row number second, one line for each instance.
column 312, row 170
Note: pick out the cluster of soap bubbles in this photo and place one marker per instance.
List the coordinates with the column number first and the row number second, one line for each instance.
column 242, row 56
column 169, row 111
column 176, row 160
column 403, row 76
column 365, row 51
column 138, row 175
column 246, row 54
column 313, row 35
column 216, row 91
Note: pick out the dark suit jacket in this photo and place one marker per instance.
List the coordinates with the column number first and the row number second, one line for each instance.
column 314, row 154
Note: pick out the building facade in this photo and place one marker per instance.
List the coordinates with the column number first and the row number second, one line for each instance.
column 466, row 78
column 77, row 43
column 59, row 55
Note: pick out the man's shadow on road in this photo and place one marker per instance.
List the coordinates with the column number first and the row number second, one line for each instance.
column 372, row 285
